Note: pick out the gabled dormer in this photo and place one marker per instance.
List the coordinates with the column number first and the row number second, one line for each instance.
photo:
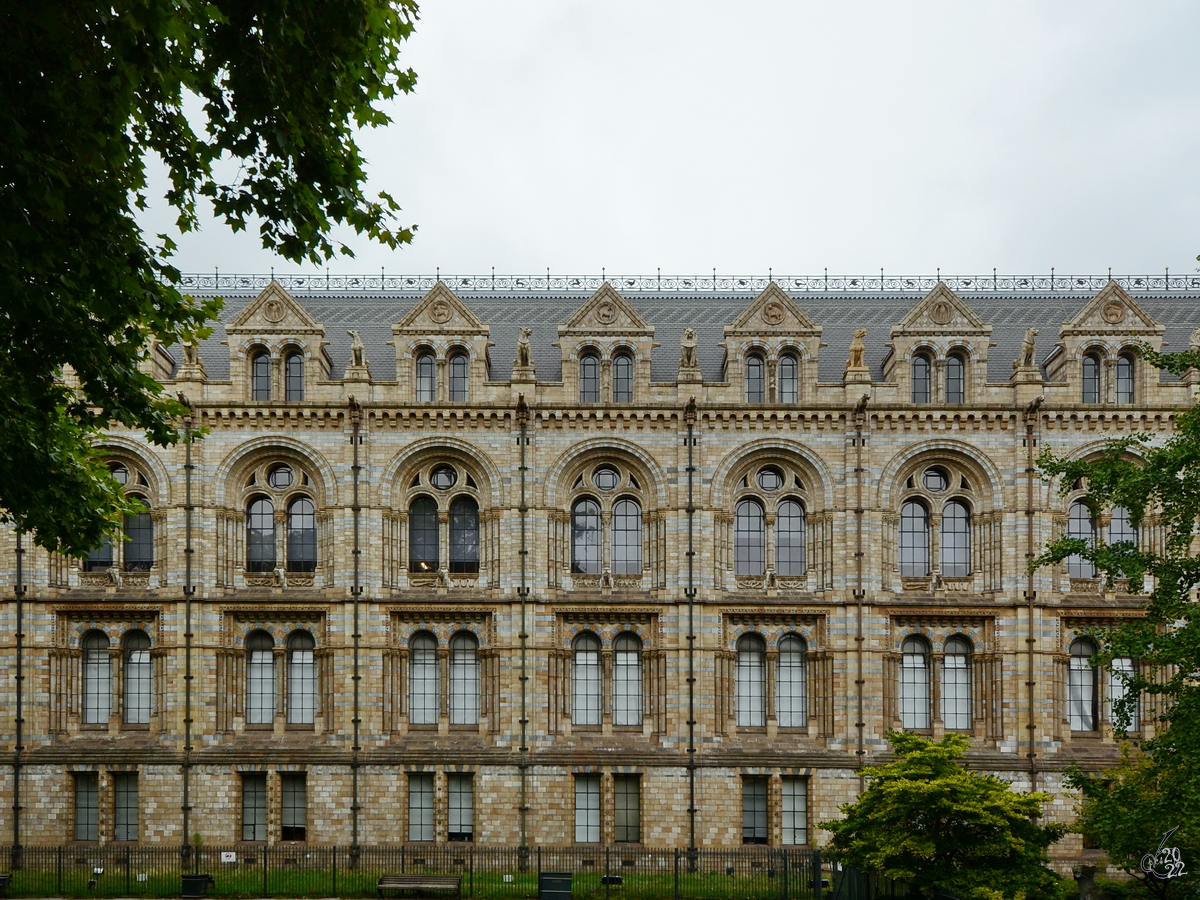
column 277, row 351
column 1095, row 352
column 771, row 350
column 441, row 350
column 606, row 347
column 938, row 351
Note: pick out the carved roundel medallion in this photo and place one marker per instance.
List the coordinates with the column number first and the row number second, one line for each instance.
column 1113, row 312
column 606, row 312
column 941, row 312
column 772, row 313
column 273, row 310
column 440, row 311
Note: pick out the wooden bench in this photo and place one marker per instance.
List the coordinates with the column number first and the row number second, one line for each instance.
column 394, row 882
column 5, row 881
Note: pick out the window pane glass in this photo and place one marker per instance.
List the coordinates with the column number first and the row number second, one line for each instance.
column 790, row 531
column 587, row 809
column 293, row 811
column 254, row 807
column 139, row 542
column 302, row 536
column 754, row 810
column 87, row 806
column 788, row 379
column 956, row 382
column 1082, row 526
column 914, row 539
column 585, row 538
column 1121, row 527
column 100, row 558
column 751, row 682
column 1091, row 378
column 956, row 539
column 627, row 538
column 97, row 679
column 280, row 477
column 423, row 535
column 464, row 536
column 627, row 680
column 464, row 680
column 1121, row 670
column 1081, row 687
column 627, row 809
column 294, row 377
column 622, row 379
column 606, row 478
column 914, row 684
column 792, row 688
column 920, row 378
column 585, row 678
column 423, row 680
column 795, row 810
column 956, row 685
column 260, row 536
column 1124, row 379
column 461, row 819
column 755, row 382
column 420, row 806
column 589, row 379
column 138, row 687
column 750, row 539
column 125, row 807
column 260, row 377
column 459, row 366
column 302, row 680
column 260, row 679
column 426, row 379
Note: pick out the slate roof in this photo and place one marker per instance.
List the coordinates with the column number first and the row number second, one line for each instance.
column 838, row 314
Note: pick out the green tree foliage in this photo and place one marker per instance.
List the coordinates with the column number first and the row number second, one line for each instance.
column 1128, row 809
column 87, row 90
column 927, row 820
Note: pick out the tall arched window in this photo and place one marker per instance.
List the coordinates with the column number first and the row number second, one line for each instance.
column 756, row 383
column 260, row 678
column 1125, row 378
column 260, row 376
column 914, row 684
column 1081, row 526
column 426, row 378
column 792, row 682
column 423, row 535
column 956, row 684
column 138, row 690
column 627, row 680
column 459, row 369
column 464, row 679
column 956, row 379
column 464, row 536
column 585, row 537
column 622, row 378
column 100, row 558
column 589, row 378
column 1091, row 378
column 302, row 679
column 750, row 539
column 956, row 539
column 627, row 537
column 97, row 679
column 914, row 539
column 585, row 680
column 789, row 379
column 751, row 681
column 1081, row 686
column 921, row 378
column 423, row 691
column 139, row 541
column 302, row 536
column 790, row 533
column 1121, row 671
column 260, row 535
column 293, row 377
column 1121, row 528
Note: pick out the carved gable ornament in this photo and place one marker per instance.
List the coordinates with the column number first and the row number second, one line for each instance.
column 941, row 312
column 1112, row 312
column 275, row 311
column 440, row 312
column 773, row 312
column 606, row 313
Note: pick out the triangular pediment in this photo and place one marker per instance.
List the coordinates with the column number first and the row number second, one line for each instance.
column 1112, row 310
column 770, row 312
column 441, row 310
column 275, row 310
column 606, row 311
column 941, row 311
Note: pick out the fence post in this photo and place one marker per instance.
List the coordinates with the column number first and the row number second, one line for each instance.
column 676, row 873
column 128, row 862
column 265, row 892
column 403, row 860
column 607, row 872
column 471, row 871
column 816, row 873
column 786, row 858
column 335, row 871
column 59, row 890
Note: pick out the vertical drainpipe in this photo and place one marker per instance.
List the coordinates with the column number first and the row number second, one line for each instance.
column 523, row 591
column 356, row 594
column 860, row 417
column 689, row 416
column 188, row 591
column 19, row 590
column 1031, row 417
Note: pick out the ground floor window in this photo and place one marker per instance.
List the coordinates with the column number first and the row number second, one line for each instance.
column 420, row 806
column 254, row 806
column 627, row 809
column 87, row 806
column 461, row 818
column 587, row 809
column 795, row 811
column 754, row 810
column 125, row 807
column 294, row 807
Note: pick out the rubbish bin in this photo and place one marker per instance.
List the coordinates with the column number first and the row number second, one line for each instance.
column 554, row 886
column 196, row 884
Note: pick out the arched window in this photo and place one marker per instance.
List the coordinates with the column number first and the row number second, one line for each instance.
column 260, row 535
column 139, row 541
column 920, row 378
column 1091, row 378
column 302, row 536
column 1125, row 378
column 423, row 535
column 464, row 536
column 751, row 682
column 792, row 682
column 423, row 690
column 790, row 532
column 260, row 678
column 585, row 537
column 426, row 378
column 260, row 376
column 1121, row 528
column 756, row 384
column 627, row 537
column 1081, row 686
column 914, row 684
column 302, row 679
column 622, row 378
column 585, row 680
column 750, row 539
column 589, row 378
column 956, row 379
column 1081, row 526
column 956, row 539
column 914, row 539
column 627, row 680
column 459, row 369
column 789, row 379
column 97, row 679
column 956, row 684
column 100, row 558
column 293, row 377
column 138, row 690
column 464, row 679
column 1121, row 671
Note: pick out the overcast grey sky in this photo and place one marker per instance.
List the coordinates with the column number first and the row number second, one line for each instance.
column 792, row 135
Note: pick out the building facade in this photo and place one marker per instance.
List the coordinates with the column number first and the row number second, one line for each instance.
column 590, row 565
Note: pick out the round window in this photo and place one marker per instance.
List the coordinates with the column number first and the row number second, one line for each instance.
column 280, row 477
column 120, row 473
column 770, row 478
column 606, row 478
column 443, row 478
column 936, row 480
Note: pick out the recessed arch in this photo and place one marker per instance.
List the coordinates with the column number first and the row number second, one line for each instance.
column 396, row 475
column 228, row 480
column 581, row 454
column 117, row 448
column 991, row 481
column 771, row 449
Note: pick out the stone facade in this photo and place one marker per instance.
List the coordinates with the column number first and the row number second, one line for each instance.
column 547, row 550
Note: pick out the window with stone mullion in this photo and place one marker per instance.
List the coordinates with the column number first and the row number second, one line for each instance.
column 956, row 685
column 420, row 806
column 627, row 537
column 750, row 538
column 751, row 682
column 791, row 683
column 423, row 688
column 464, row 680
column 627, row 680
column 460, row 824
column 914, row 685
column 125, row 806
column 627, row 809
column 587, row 809
column 586, row 681
column 138, row 693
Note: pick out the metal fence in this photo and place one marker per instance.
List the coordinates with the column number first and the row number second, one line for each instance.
column 502, row 873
